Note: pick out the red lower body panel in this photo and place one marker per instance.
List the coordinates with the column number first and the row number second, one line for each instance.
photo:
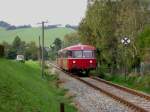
column 77, row 64
column 81, row 64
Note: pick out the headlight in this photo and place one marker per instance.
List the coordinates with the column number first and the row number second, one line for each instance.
column 91, row 61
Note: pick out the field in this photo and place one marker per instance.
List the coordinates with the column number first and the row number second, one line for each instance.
column 23, row 90
column 32, row 34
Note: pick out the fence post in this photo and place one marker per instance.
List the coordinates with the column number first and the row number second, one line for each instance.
column 1, row 51
column 62, row 107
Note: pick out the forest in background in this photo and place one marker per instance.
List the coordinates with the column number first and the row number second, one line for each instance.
column 107, row 22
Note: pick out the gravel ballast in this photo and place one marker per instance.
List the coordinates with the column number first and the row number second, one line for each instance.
column 89, row 99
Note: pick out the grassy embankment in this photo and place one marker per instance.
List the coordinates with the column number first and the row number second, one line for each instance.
column 23, row 90
column 141, row 83
column 32, row 34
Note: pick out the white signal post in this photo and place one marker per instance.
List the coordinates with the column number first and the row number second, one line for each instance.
column 125, row 41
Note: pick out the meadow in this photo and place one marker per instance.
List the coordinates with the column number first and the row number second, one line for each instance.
column 32, row 34
column 23, row 90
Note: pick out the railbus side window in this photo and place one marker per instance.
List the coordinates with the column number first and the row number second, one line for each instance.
column 58, row 54
column 65, row 54
column 69, row 54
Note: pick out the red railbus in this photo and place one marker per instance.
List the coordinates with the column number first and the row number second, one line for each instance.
column 77, row 58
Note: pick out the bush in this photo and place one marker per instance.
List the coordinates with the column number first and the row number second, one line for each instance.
column 100, row 72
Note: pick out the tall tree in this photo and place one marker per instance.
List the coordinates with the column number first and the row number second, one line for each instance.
column 131, row 20
column 106, row 22
column 98, row 28
column 57, row 43
column 16, row 43
column 31, row 51
column 71, row 39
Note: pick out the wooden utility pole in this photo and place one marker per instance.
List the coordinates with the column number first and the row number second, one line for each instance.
column 2, row 50
column 43, row 60
column 62, row 107
column 40, row 50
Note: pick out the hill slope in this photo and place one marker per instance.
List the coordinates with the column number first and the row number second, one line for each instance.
column 23, row 90
column 32, row 34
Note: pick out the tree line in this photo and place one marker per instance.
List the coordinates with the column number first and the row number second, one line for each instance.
column 19, row 47
column 32, row 51
column 107, row 22
column 12, row 27
column 68, row 40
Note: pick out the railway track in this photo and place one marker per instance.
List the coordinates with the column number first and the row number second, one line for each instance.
column 137, row 101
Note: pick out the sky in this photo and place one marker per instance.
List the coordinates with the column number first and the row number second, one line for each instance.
column 19, row 12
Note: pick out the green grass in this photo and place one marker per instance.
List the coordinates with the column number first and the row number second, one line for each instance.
column 32, row 34
column 141, row 83
column 23, row 90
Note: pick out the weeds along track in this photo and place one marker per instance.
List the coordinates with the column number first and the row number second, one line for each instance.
column 137, row 101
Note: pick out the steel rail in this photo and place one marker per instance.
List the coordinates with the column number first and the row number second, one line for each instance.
column 121, row 100
column 141, row 94
column 117, row 98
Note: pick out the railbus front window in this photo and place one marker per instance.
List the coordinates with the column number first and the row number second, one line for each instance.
column 77, row 54
column 88, row 54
